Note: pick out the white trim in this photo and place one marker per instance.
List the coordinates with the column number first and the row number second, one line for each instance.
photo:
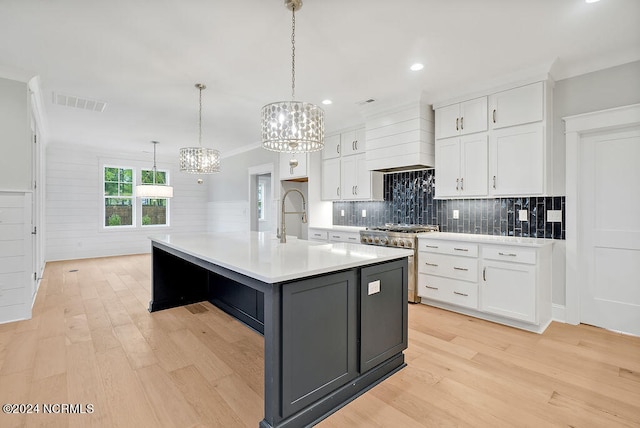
column 558, row 313
column 577, row 127
column 267, row 168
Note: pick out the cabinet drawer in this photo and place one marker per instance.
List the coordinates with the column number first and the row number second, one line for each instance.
column 464, row 268
column 352, row 237
column 511, row 254
column 448, row 290
column 318, row 235
column 447, row 247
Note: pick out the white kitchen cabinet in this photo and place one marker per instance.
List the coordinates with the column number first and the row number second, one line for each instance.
column 289, row 172
column 462, row 166
column 331, row 147
column 353, row 142
column 357, row 181
column 344, row 236
column 509, row 282
column 517, row 161
column 517, row 106
column 331, row 179
column 501, row 279
column 460, row 119
column 318, row 234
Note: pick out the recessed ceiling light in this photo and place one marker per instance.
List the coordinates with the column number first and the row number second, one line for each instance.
column 591, row 1
column 327, row 102
column 416, row 67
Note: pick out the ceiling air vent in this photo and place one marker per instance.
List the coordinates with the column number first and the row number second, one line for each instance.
column 77, row 102
column 365, row 102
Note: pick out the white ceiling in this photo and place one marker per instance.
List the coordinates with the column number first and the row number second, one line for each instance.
column 143, row 57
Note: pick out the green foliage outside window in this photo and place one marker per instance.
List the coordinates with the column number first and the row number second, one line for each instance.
column 115, row 220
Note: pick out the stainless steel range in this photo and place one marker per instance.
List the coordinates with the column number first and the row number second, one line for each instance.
column 401, row 236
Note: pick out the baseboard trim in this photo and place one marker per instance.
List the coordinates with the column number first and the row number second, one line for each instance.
column 559, row 313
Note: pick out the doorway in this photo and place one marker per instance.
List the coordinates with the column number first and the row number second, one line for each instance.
column 261, row 204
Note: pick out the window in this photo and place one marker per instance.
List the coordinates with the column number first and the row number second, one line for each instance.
column 118, row 197
column 154, row 211
column 260, row 201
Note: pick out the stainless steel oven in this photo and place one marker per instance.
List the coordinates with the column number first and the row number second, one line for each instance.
column 401, row 236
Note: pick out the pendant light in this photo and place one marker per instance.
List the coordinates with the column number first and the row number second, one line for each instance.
column 199, row 160
column 292, row 126
column 155, row 190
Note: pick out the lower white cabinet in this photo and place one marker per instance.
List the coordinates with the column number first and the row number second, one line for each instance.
column 501, row 279
column 334, row 235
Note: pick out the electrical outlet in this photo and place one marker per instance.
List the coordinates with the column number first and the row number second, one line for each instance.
column 374, row 287
column 554, row 216
column 364, row 213
column 523, row 215
column 341, row 213
column 456, row 214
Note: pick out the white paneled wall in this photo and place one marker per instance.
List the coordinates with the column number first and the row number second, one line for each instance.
column 16, row 270
column 228, row 216
column 74, row 205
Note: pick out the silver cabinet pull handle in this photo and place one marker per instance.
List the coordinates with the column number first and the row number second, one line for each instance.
column 457, row 183
column 338, row 148
column 494, row 181
column 457, row 129
column 352, row 238
column 356, row 189
column 507, row 254
column 459, row 268
column 461, row 249
column 494, row 115
column 462, row 183
column 432, row 288
column 338, row 191
column 335, row 236
column 431, row 264
column 484, row 274
column 460, row 294
column 462, row 123
column 431, row 246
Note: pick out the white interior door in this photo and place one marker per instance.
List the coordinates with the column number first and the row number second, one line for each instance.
column 609, row 231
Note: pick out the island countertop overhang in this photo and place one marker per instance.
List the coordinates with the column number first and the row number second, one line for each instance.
column 260, row 256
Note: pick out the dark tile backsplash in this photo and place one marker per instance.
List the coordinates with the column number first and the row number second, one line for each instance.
column 408, row 198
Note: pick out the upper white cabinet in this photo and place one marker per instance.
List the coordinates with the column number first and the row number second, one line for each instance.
column 517, row 106
column 353, row 142
column 331, row 147
column 518, row 161
column 294, row 166
column 462, row 118
column 462, row 166
column 346, row 177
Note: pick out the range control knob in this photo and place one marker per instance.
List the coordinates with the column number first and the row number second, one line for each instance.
column 409, row 244
column 384, row 241
column 402, row 243
column 363, row 239
column 394, row 242
column 369, row 239
column 376, row 239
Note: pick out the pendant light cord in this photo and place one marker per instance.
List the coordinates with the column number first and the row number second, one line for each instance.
column 200, row 118
column 293, row 53
column 155, row 143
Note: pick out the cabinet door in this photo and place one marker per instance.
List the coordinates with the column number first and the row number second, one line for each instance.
column 474, row 165
column 363, row 178
column 331, row 147
column 509, row 289
column 473, row 116
column 517, row 106
column 448, row 168
column 447, row 121
column 287, row 172
column 349, row 177
column 331, row 179
column 353, row 142
column 517, row 161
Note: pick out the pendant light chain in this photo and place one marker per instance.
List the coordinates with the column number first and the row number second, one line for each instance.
column 293, row 53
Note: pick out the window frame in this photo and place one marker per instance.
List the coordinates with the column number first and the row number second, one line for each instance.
column 105, row 196
column 167, row 200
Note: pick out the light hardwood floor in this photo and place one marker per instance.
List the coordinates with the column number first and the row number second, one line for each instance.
column 92, row 341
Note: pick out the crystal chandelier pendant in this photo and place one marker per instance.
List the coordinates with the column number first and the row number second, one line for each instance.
column 292, row 126
column 199, row 160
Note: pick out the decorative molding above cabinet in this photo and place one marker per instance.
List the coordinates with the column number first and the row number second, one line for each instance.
column 496, row 145
column 345, row 175
column 401, row 138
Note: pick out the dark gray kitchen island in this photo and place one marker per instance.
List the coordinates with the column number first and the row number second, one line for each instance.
column 333, row 316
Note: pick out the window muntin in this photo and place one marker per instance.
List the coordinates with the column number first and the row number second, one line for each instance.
column 154, row 211
column 118, row 196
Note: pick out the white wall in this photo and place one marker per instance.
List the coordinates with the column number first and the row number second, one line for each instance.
column 15, row 144
column 74, row 216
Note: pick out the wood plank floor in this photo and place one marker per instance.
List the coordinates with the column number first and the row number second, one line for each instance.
column 92, row 341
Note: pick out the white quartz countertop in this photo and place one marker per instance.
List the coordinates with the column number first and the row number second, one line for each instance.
column 261, row 256
column 487, row 239
column 339, row 228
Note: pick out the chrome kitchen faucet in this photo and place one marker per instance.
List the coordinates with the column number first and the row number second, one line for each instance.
column 282, row 234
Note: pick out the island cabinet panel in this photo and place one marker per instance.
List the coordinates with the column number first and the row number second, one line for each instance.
column 383, row 312
column 319, row 338
column 244, row 303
